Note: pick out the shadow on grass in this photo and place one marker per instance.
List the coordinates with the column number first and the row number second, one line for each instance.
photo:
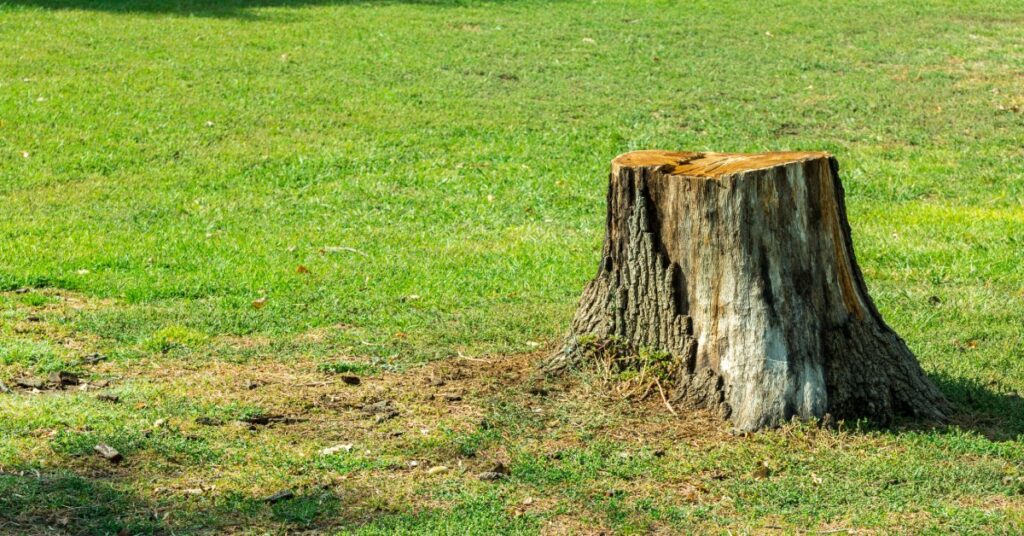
column 32, row 503
column 978, row 408
column 65, row 503
column 214, row 8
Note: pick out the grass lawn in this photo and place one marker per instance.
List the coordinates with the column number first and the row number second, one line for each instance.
column 413, row 193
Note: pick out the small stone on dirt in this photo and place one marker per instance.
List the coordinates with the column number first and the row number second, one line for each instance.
column 108, row 452
column 63, row 378
column 30, row 383
column 280, row 496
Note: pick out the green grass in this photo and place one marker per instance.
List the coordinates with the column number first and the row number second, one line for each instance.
column 438, row 169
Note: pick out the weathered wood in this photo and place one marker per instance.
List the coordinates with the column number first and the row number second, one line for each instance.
column 742, row 268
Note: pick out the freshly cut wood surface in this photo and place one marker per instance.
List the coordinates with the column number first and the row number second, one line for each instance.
column 741, row 267
column 709, row 164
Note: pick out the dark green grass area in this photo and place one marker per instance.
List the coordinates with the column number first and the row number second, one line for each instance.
column 327, row 188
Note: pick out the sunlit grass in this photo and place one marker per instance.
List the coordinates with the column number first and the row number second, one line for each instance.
column 415, row 182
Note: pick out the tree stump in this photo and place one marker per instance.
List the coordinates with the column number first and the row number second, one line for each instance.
column 740, row 267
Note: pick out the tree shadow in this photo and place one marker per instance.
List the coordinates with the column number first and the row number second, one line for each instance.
column 33, row 502
column 61, row 502
column 213, row 8
column 979, row 408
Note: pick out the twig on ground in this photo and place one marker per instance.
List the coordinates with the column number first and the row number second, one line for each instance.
column 664, row 398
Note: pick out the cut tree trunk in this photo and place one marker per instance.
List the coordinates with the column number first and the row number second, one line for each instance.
column 740, row 268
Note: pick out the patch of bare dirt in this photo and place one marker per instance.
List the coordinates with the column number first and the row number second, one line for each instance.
column 401, row 422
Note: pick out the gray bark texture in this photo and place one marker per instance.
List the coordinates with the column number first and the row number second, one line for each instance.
column 742, row 268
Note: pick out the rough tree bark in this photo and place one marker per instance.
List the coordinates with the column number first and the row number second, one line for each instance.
column 741, row 267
